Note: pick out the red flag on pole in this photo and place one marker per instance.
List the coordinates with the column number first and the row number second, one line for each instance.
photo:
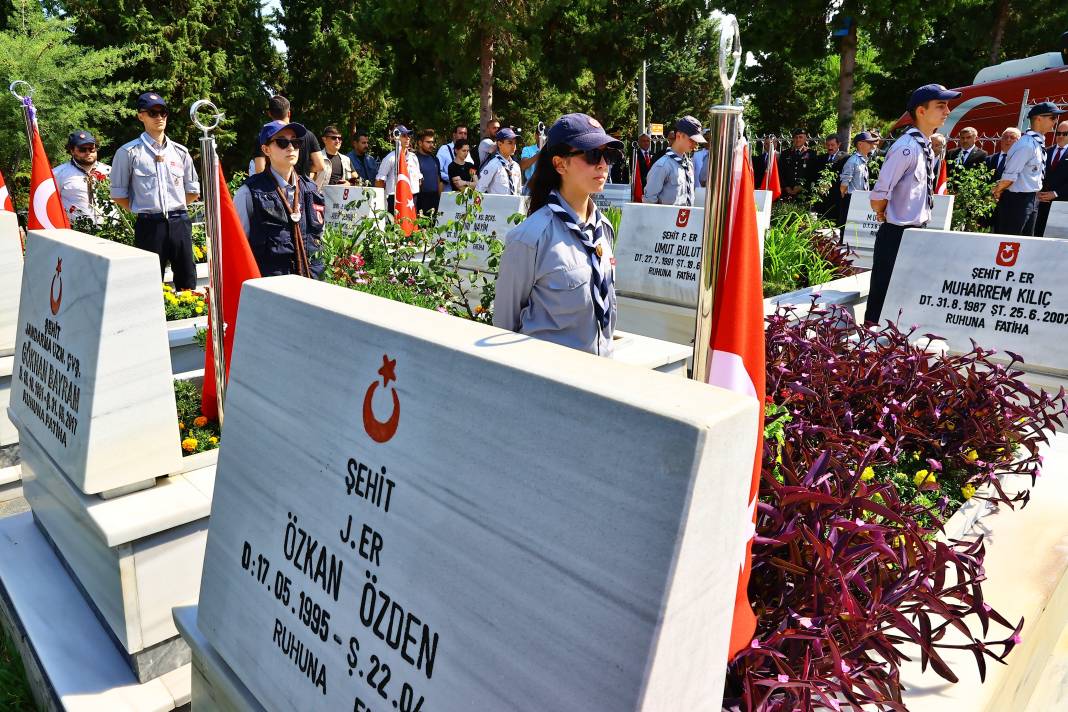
column 637, row 190
column 771, row 176
column 941, row 182
column 404, row 202
column 5, row 197
column 238, row 264
column 737, row 359
column 46, row 210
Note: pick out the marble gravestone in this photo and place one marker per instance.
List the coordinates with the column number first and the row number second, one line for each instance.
column 347, row 205
column 92, row 376
column 658, row 253
column 861, row 224
column 1005, row 292
column 492, row 220
column 1057, row 222
column 10, row 284
column 448, row 516
column 614, row 195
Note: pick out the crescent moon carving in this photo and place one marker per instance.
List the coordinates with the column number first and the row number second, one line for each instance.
column 54, row 301
column 380, row 431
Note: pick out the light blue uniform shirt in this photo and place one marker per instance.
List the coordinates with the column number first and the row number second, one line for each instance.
column 903, row 181
column 855, row 173
column 665, row 181
column 1024, row 164
column 243, row 198
column 153, row 186
column 543, row 284
column 700, row 166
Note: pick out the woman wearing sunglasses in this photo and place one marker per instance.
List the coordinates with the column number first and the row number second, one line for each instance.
column 556, row 275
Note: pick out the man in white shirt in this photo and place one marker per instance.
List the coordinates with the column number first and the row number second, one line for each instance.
column 488, row 145
column 78, row 177
column 387, row 169
column 447, row 153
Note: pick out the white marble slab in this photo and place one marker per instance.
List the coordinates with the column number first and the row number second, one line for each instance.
column 658, row 253
column 10, row 280
column 76, row 656
column 614, row 195
column 346, row 206
column 1005, row 292
column 647, row 352
column 1057, row 222
column 568, row 548
column 203, row 275
column 136, row 556
column 861, row 224
column 215, row 686
column 92, row 373
column 492, row 220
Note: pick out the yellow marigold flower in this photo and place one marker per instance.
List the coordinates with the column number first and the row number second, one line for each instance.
column 200, row 309
column 189, row 444
column 181, row 425
column 950, row 426
column 867, row 474
column 971, row 456
column 479, row 309
column 167, row 287
column 968, row 491
column 923, row 477
column 200, row 421
column 213, row 440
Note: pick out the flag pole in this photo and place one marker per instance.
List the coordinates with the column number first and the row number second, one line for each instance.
column 209, row 162
column 27, row 102
column 541, row 135
column 723, row 135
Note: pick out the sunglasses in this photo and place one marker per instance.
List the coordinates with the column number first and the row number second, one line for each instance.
column 333, row 138
column 157, row 113
column 594, row 156
column 286, row 142
column 88, row 148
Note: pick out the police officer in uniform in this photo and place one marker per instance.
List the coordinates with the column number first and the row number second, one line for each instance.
column 154, row 178
column 673, row 179
column 77, row 178
column 282, row 211
column 556, row 276
column 796, row 165
column 500, row 175
column 904, row 194
column 1017, row 191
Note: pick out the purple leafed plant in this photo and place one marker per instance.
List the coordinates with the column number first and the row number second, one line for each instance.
column 872, row 443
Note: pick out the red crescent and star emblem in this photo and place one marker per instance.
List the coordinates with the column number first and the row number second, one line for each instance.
column 683, row 218
column 54, row 299
column 1007, row 253
column 382, row 430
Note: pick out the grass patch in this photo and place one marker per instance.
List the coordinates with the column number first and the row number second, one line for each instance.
column 14, row 690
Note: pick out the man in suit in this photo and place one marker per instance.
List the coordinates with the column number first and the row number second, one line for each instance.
column 997, row 162
column 760, row 163
column 833, row 158
column 1055, row 184
column 968, row 154
column 645, row 156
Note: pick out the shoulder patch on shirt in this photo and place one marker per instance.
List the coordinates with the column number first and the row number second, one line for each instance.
column 906, row 152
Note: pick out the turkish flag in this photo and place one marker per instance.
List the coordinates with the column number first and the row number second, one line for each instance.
column 46, row 210
column 5, row 197
column 404, row 202
column 737, row 355
column 940, row 182
column 771, row 176
column 238, row 264
column 637, row 191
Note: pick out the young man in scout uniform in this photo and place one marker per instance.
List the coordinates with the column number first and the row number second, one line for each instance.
column 154, row 178
column 904, row 194
column 1025, row 166
column 672, row 180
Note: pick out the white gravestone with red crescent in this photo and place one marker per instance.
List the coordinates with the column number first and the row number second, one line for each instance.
column 491, row 220
column 347, row 205
column 448, row 516
column 92, row 373
column 658, row 253
column 1005, row 292
column 861, row 225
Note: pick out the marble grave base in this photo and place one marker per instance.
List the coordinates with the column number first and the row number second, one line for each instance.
column 215, row 686
column 134, row 556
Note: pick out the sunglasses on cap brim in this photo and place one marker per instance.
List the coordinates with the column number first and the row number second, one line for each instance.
column 594, row 156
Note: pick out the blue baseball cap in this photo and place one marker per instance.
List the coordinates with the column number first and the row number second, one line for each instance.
column 80, row 138
column 271, row 129
column 1045, row 107
column 867, row 136
column 150, row 99
column 580, row 131
column 404, row 130
column 691, row 127
column 931, row 92
column 505, row 134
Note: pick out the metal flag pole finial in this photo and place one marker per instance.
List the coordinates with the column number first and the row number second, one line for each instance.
column 541, row 134
column 722, row 138
column 27, row 108
column 209, row 162
column 14, row 92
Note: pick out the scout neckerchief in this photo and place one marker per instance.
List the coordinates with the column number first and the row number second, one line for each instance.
column 588, row 235
column 1040, row 141
column 157, row 153
column 300, row 254
column 928, row 159
column 90, row 182
column 687, row 171
column 504, row 165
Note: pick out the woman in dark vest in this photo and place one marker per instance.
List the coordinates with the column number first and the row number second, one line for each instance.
column 278, row 205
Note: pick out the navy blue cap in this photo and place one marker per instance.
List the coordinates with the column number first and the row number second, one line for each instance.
column 865, row 136
column 404, row 130
column 930, row 92
column 1045, row 107
column 150, row 99
column 271, row 129
column 799, row 132
column 80, row 138
column 691, row 127
column 580, row 131
column 505, row 134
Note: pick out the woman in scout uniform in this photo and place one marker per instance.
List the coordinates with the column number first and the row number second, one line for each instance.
column 282, row 211
column 500, row 175
column 556, row 275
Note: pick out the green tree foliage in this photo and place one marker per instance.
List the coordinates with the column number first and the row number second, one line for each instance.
column 684, row 78
column 75, row 87
column 214, row 49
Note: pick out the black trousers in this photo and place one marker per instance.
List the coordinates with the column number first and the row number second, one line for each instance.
column 428, row 201
column 887, row 242
column 170, row 236
column 1017, row 213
